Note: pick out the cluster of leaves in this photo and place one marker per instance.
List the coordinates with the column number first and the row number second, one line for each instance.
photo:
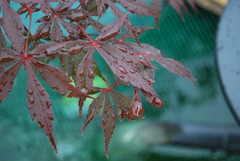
column 130, row 63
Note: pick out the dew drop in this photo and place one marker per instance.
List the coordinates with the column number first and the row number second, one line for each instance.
column 145, row 63
column 157, row 102
column 30, row 91
column 91, row 73
column 40, row 124
column 131, row 53
column 129, row 61
column 132, row 71
column 122, row 69
column 121, row 76
column 123, row 49
column 43, row 92
column 50, row 117
column 29, row 107
column 31, row 100
column 49, row 104
column 56, row 88
column 84, row 90
column 81, row 72
column 137, row 108
column 150, row 81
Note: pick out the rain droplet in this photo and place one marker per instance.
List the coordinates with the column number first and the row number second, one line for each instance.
column 150, row 81
column 129, row 61
column 91, row 73
column 137, row 109
column 131, row 53
column 157, row 102
column 121, row 76
column 30, row 91
column 40, row 124
column 122, row 69
column 132, row 71
column 31, row 100
column 123, row 49
column 81, row 72
column 84, row 90
column 50, row 117
column 49, row 104
column 43, row 92
column 145, row 63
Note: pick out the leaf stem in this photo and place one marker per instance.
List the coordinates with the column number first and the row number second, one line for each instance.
column 82, row 3
column 84, row 32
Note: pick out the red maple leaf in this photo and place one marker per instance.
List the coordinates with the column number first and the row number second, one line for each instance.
column 38, row 99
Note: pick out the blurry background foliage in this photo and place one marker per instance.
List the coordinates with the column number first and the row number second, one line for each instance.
column 192, row 42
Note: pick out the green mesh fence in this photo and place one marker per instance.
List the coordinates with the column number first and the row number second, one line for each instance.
column 192, row 42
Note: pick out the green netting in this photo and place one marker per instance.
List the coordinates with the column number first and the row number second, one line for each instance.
column 191, row 41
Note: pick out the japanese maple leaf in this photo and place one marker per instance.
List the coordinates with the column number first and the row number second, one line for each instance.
column 178, row 4
column 121, row 60
column 45, row 6
column 124, row 105
column 38, row 99
column 50, row 24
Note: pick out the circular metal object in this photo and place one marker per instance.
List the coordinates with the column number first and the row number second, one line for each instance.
column 228, row 55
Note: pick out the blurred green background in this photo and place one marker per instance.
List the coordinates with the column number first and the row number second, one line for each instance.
column 192, row 42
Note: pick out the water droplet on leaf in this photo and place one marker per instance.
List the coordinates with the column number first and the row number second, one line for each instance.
column 91, row 73
column 31, row 100
column 122, row 69
column 81, row 72
column 30, row 91
column 40, row 124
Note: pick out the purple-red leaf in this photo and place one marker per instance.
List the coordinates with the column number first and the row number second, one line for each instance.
column 12, row 26
column 136, row 105
column 7, row 55
column 85, row 72
column 7, row 80
column 140, row 7
column 94, row 110
column 3, row 42
column 124, row 68
column 101, row 7
column 175, row 67
column 71, row 28
column 43, row 30
column 178, row 4
column 48, row 49
column 112, row 29
column 153, row 98
column 39, row 104
column 56, row 78
column 56, row 33
column 154, row 54
column 123, row 104
column 108, row 121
